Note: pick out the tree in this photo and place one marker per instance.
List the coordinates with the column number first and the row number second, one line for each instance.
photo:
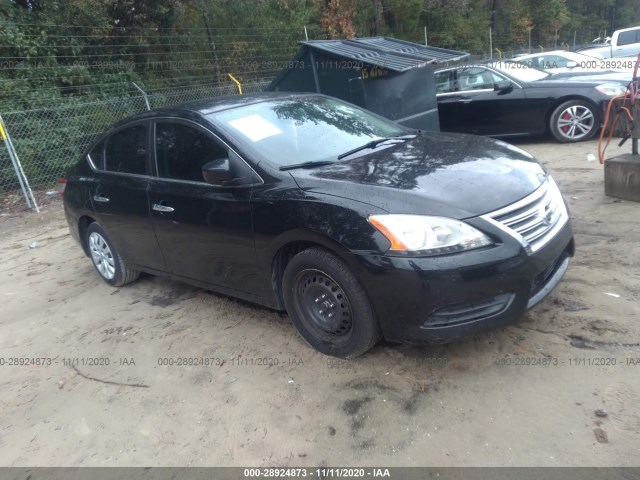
column 549, row 16
column 337, row 18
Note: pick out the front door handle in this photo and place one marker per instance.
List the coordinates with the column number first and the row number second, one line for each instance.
column 466, row 100
column 162, row 208
column 101, row 199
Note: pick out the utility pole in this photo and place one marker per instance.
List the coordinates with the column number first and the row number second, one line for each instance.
column 490, row 43
column 375, row 19
column 212, row 43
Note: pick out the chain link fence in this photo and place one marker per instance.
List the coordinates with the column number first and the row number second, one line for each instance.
column 48, row 140
column 59, row 121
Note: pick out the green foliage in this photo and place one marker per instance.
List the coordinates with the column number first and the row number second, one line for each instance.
column 56, row 49
column 68, row 65
column 462, row 26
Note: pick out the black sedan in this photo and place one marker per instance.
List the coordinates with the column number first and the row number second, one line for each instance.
column 356, row 226
column 503, row 99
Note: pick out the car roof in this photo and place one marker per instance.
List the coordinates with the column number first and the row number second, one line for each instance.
column 459, row 66
column 487, row 64
column 566, row 53
column 216, row 104
column 537, row 54
column 628, row 29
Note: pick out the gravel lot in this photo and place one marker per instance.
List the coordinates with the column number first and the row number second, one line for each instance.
column 526, row 395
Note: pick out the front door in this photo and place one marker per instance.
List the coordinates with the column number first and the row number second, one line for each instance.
column 204, row 231
column 472, row 105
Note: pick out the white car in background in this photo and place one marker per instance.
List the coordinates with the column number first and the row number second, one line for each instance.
column 563, row 61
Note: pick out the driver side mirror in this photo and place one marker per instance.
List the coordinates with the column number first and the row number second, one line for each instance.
column 230, row 171
column 217, row 172
column 572, row 64
column 503, row 86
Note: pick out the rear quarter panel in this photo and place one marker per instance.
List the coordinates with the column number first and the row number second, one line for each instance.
column 77, row 202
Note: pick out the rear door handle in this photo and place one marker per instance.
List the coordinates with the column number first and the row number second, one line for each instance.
column 466, row 100
column 98, row 198
column 162, row 208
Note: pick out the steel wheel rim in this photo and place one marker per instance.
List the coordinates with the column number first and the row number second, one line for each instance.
column 576, row 122
column 102, row 256
column 322, row 303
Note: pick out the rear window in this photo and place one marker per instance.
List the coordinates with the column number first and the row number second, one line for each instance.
column 97, row 155
column 627, row 38
column 126, row 151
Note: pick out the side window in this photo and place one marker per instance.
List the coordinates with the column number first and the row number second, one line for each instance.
column 97, row 155
column 181, row 151
column 444, row 82
column 627, row 38
column 126, row 151
column 476, row 78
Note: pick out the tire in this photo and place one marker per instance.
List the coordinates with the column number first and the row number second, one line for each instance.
column 106, row 259
column 328, row 305
column 574, row 121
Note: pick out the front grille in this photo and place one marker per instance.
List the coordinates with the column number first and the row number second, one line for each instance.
column 535, row 219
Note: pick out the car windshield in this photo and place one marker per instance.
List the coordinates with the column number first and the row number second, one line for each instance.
column 304, row 129
column 519, row 71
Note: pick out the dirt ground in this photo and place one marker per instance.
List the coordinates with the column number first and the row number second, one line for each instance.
column 526, row 395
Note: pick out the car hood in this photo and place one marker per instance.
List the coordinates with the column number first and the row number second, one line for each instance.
column 591, row 73
column 445, row 174
column 582, row 79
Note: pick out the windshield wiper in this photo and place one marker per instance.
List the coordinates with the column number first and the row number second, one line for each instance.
column 311, row 164
column 373, row 144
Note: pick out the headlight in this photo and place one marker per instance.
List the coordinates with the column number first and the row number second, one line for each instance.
column 428, row 235
column 611, row 89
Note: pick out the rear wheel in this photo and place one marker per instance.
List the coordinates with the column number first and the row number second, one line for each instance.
column 327, row 304
column 108, row 262
column 574, row 121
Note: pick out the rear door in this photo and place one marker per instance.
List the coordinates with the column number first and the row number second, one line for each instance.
column 119, row 193
column 476, row 107
column 204, row 231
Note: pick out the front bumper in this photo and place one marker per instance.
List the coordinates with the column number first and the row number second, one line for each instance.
column 440, row 299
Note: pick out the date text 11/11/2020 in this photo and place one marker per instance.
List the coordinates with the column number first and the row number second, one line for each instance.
column 67, row 362
column 570, row 362
column 325, row 472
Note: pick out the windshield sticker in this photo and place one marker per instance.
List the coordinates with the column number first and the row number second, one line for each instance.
column 255, row 127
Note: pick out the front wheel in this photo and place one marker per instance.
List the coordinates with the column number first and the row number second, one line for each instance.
column 327, row 304
column 574, row 121
column 108, row 262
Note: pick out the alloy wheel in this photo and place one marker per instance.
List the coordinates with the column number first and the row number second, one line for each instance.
column 102, row 256
column 575, row 122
